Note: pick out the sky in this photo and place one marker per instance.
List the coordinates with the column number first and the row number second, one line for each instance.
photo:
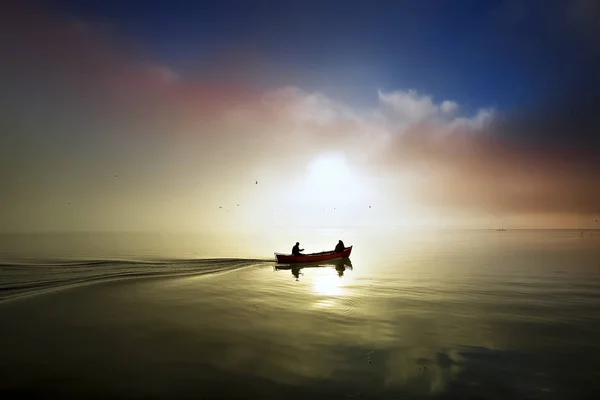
column 196, row 116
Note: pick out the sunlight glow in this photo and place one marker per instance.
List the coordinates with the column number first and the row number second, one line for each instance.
column 329, row 171
column 328, row 284
column 331, row 180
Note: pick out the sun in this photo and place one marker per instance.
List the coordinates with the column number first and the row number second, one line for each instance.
column 329, row 170
column 332, row 180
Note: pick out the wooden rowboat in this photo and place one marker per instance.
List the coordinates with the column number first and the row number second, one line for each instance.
column 314, row 257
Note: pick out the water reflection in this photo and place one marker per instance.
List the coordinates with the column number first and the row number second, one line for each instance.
column 339, row 265
column 327, row 285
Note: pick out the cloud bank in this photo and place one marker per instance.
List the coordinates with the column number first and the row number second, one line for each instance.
column 455, row 161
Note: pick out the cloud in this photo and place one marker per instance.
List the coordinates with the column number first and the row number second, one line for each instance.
column 409, row 106
column 449, row 107
column 396, row 114
column 460, row 162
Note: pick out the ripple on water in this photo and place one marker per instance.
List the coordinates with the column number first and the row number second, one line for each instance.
column 24, row 279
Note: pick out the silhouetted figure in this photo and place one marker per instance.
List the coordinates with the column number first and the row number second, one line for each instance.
column 340, row 247
column 296, row 250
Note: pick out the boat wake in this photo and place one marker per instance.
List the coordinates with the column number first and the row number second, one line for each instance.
column 19, row 279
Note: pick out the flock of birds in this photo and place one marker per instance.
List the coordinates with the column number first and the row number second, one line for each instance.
column 237, row 204
column 221, row 207
column 256, row 183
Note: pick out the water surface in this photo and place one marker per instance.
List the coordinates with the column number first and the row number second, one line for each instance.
column 450, row 314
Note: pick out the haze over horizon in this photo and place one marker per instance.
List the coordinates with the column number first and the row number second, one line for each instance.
column 149, row 116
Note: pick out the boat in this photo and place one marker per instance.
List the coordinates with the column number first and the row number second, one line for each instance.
column 313, row 257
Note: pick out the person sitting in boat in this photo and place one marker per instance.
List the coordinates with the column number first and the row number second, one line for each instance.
column 296, row 250
column 339, row 247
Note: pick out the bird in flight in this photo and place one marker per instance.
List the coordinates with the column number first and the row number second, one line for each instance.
column 220, row 207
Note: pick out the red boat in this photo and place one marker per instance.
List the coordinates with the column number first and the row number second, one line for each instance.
column 314, row 257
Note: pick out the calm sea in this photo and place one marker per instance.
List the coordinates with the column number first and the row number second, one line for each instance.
column 412, row 314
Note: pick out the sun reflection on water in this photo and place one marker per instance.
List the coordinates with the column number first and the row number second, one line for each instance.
column 328, row 283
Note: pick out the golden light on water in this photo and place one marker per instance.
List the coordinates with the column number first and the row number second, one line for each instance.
column 328, row 283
